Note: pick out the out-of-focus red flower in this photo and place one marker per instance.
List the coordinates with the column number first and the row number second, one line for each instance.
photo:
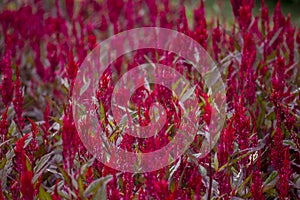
column 103, row 24
column 70, row 7
column 114, row 9
column 92, row 41
column 200, row 33
column 216, row 40
column 265, row 19
column 52, row 56
column 242, row 10
column 7, row 82
column 182, row 22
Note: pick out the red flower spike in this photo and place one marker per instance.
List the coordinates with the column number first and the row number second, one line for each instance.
column 35, row 131
column 290, row 41
column 27, row 188
column 257, row 185
column 246, row 72
column 70, row 138
column 56, row 196
column 4, row 125
column 18, row 100
column 277, row 148
column 284, row 175
column 46, row 125
column 298, row 39
column 72, row 67
column 1, row 191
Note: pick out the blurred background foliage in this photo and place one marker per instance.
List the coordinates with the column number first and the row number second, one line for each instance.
column 223, row 9
column 220, row 8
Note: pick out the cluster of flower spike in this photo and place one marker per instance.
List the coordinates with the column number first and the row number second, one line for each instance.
column 43, row 44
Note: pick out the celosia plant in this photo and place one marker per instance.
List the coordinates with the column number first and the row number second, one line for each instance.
column 43, row 44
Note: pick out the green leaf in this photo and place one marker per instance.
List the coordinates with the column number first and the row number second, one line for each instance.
column 97, row 188
column 102, row 111
column 63, row 194
column 173, row 169
column 65, row 175
column 80, row 187
column 42, row 162
column 43, row 195
column 12, row 130
column 186, row 95
column 86, row 165
column 85, row 86
column 271, row 177
column 3, row 162
column 241, row 186
column 216, row 162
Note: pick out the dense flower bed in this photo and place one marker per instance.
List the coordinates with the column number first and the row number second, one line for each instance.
column 43, row 44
